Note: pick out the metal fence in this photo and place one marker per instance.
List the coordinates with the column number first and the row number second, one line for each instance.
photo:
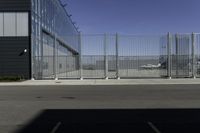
column 125, row 56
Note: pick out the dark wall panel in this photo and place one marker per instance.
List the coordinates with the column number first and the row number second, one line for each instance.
column 13, row 62
column 15, row 5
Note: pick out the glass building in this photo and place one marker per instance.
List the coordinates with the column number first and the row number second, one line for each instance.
column 32, row 34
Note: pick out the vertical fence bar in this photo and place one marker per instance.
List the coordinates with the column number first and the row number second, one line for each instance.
column 117, row 56
column 105, row 56
column 169, row 45
column 177, row 55
column 193, row 57
column 80, row 57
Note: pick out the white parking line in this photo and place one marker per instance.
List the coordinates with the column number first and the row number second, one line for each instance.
column 153, row 127
column 56, row 127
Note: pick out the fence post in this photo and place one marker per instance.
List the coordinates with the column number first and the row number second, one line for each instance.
column 80, row 57
column 169, row 43
column 41, row 42
column 177, row 55
column 55, row 58
column 33, row 60
column 105, row 57
column 193, row 56
column 117, row 56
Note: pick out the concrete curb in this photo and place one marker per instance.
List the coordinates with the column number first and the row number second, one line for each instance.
column 104, row 82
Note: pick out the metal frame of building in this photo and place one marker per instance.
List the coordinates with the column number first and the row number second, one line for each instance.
column 18, row 48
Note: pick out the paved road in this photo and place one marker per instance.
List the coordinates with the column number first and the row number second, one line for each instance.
column 19, row 105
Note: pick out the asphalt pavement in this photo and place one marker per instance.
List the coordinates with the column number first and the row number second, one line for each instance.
column 21, row 106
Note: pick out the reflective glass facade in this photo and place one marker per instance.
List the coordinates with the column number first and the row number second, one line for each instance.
column 53, row 35
column 48, row 16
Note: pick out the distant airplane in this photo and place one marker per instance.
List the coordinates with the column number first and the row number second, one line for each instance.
column 151, row 66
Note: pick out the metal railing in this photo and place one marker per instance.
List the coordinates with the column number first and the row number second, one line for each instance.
column 125, row 56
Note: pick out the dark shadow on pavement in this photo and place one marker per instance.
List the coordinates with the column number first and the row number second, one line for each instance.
column 115, row 120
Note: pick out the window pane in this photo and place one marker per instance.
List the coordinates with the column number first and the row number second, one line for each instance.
column 22, row 24
column 1, row 24
column 9, row 24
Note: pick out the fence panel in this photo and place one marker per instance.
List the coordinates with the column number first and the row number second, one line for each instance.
column 48, row 67
column 37, row 67
column 142, row 56
column 68, row 67
column 181, row 56
column 124, row 56
column 111, row 55
column 93, row 56
column 44, row 67
column 197, row 55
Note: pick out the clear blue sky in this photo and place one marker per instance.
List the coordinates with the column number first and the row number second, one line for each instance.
column 135, row 16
